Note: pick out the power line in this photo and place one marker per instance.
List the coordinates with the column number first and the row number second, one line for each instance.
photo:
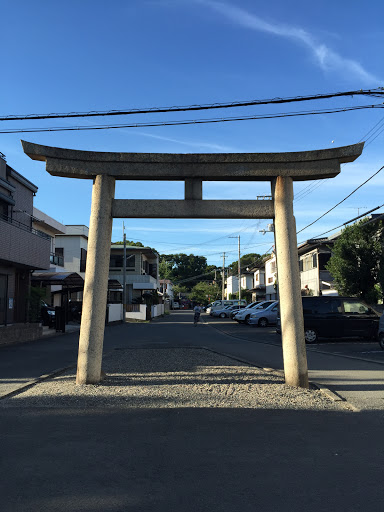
column 367, row 137
column 342, row 201
column 192, row 121
column 377, row 93
column 345, row 223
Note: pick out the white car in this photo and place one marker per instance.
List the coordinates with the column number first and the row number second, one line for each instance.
column 176, row 305
column 245, row 314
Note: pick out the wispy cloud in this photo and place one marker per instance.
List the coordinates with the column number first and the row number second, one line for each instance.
column 194, row 144
column 325, row 57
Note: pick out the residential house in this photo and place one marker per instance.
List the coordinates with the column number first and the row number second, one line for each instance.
column 64, row 282
column 232, row 286
column 51, row 227
column 142, row 264
column 166, row 288
column 22, row 250
column 271, row 292
column 72, row 246
column 246, row 280
column 258, row 290
column 314, row 254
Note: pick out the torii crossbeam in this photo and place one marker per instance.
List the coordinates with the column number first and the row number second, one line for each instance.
column 281, row 169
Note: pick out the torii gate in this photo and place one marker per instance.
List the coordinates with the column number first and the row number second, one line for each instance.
column 281, row 169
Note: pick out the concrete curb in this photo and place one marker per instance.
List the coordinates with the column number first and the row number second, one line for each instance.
column 46, row 376
column 33, row 382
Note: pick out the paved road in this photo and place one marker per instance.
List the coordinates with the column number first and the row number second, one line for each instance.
column 189, row 459
column 352, row 370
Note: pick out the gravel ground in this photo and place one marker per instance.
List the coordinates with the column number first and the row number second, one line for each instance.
column 173, row 378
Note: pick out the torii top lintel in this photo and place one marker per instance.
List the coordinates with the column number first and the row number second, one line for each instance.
column 300, row 166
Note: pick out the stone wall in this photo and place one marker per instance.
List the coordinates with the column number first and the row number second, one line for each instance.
column 20, row 332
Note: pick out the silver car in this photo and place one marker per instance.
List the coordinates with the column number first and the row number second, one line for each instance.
column 225, row 312
column 245, row 314
column 264, row 317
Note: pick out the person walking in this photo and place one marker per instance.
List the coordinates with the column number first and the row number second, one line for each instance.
column 196, row 313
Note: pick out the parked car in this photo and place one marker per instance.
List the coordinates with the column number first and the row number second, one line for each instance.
column 337, row 317
column 220, row 304
column 47, row 314
column 176, row 305
column 245, row 314
column 226, row 311
column 264, row 317
column 381, row 331
column 236, row 310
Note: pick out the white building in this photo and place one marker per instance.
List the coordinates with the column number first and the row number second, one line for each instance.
column 315, row 278
column 72, row 246
column 166, row 288
column 141, row 270
column 233, row 283
column 258, row 290
column 271, row 278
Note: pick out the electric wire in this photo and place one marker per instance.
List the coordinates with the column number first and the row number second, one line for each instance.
column 342, row 201
column 193, row 121
column 376, row 129
column 377, row 93
column 348, row 222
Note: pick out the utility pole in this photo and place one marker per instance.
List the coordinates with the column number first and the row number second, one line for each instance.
column 124, row 274
column 223, row 278
column 239, row 272
column 239, row 267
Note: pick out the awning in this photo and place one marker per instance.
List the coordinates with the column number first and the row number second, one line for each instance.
column 57, row 278
column 144, row 286
column 114, row 284
column 68, row 279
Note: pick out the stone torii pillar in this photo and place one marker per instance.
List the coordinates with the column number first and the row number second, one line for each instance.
column 281, row 169
column 291, row 307
column 96, row 282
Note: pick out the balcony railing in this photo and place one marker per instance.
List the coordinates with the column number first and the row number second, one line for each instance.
column 56, row 260
column 24, row 227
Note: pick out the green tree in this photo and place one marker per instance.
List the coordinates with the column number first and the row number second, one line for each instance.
column 248, row 260
column 245, row 294
column 357, row 262
column 129, row 242
column 178, row 289
column 205, row 292
column 183, row 267
column 35, row 297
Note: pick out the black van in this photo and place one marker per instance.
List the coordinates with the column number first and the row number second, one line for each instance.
column 338, row 317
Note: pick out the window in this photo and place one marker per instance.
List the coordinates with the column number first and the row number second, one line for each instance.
column 323, row 260
column 321, row 306
column 83, row 260
column 270, row 279
column 355, row 308
column 3, row 210
column 59, row 256
column 328, row 306
column 256, row 278
column 131, row 261
column 308, row 262
column 117, row 261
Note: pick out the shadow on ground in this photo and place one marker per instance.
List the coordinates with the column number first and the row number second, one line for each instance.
column 190, row 460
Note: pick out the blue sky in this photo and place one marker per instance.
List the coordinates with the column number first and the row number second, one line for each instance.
column 97, row 55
